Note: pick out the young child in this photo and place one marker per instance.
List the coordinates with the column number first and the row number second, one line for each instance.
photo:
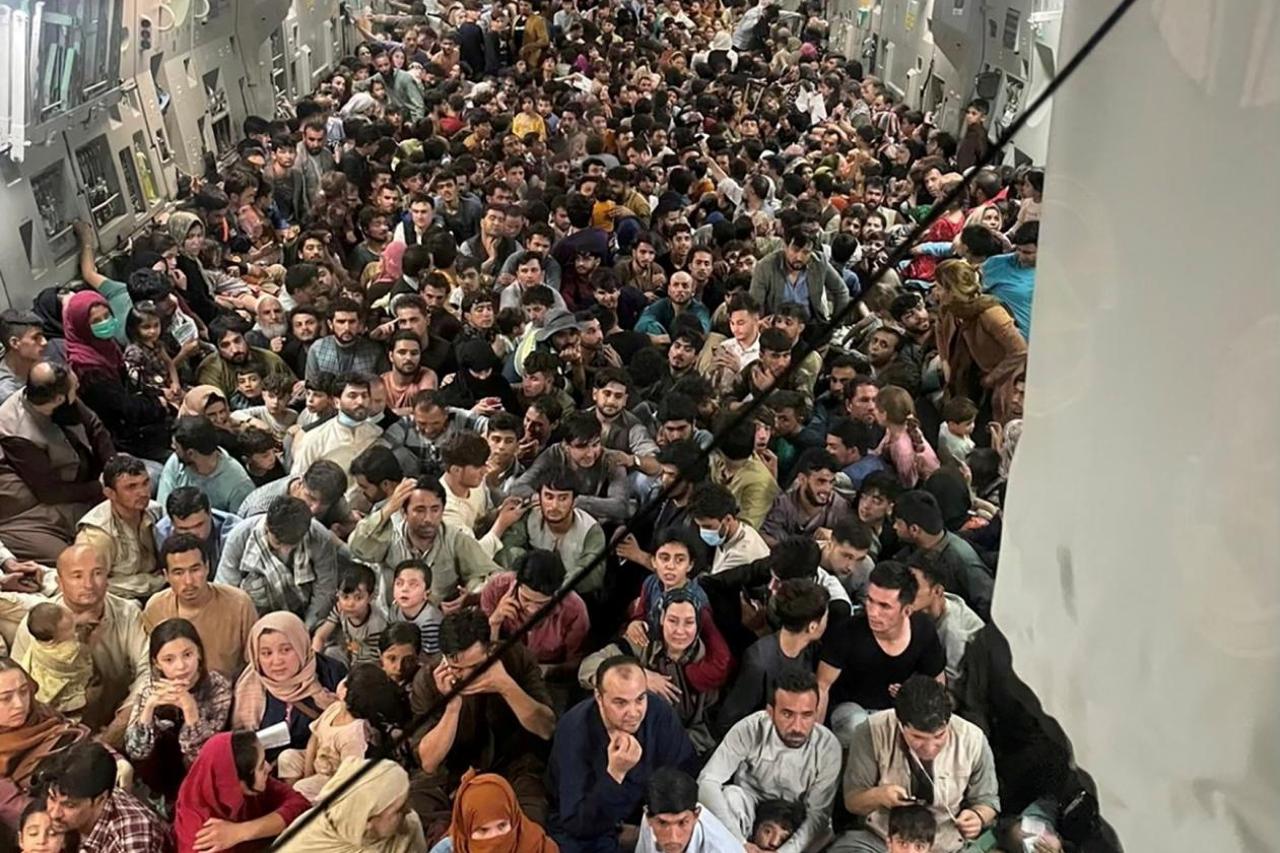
column 260, row 455
column 320, row 404
column 410, row 590
column 58, row 662
column 955, row 436
column 369, row 708
column 357, row 623
column 274, row 415
column 911, row 829
column 510, row 323
column 248, row 388
column 776, row 821
column 145, row 358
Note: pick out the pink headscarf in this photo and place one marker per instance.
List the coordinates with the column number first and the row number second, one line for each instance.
column 391, row 266
column 86, row 353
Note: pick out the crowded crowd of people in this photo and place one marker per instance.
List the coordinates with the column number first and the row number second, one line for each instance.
column 591, row 292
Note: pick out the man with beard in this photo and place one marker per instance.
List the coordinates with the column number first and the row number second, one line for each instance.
column 555, row 524
column 604, row 752
column 625, row 437
column 882, row 347
column 918, row 339
column 860, row 403
column 682, row 357
column 659, row 320
column 410, row 526
column 314, row 159
column 811, row 507
column 411, row 312
column 918, row 522
column 864, row 664
column 219, row 368
column 341, row 439
column 530, row 269
column 407, row 376
column 346, row 349
column 799, row 274
column 675, row 823
column 491, row 246
column 539, row 240
column 601, row 488
column 782, row 752
column 460, row 213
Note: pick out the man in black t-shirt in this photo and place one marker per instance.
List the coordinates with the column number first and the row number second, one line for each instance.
column 862, row 667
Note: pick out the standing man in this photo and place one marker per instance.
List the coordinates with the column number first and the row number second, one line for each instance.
column 605, row 751
column 781, row 752
column 314, row 159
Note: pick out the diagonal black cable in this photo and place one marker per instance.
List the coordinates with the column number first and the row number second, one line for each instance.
column 741, row 415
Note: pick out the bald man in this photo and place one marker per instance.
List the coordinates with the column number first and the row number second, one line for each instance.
column 113, row 628
column 659, row 320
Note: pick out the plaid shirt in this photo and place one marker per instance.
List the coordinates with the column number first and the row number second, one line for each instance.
column 363, row 356
column 127, row 826
column 419, row 455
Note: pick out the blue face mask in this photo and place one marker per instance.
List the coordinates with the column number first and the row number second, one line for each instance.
column 106, row 329
column 713, row 538
column 348, row 421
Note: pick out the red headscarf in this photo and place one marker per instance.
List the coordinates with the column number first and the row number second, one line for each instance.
column 391, row 266
column 86, row 353
column 212, row 789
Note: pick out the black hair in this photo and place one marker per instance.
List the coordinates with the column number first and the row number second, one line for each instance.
column 43, row 620
column 785, row 813
column 506, row 422
column 413, row 565
column 739, row 443
column 884, row 483
column 177, row 629
column 326, row 479
column 40, row 391
column 612, row 663
column 851, row 531
column 432, row 485
column 84, row 771
column 465, row 449
column 356, row 576
column 816, row 459
column 792, row 678
column 196, row 432
column 219, row 328
column 122, row 465
column 691, row 464
column 245, row 747
column 799, row 602
column 682, row 535
column 920, row 508
column 180, row 543
column 959, row 410
column 890, row 574
column 712, row 500
column 377, row 464
column 913, row 824
column 541, row 570
column 671, row 791
column 774, row 340
column 400, row 634
column 853, row 434
column 373, row 696
column 186, row 501
column 922, row 703
column 1027, row 232
column 580, row 426
column 288, row 519
column 462, row 629
column 981, row 241
column 795, row 557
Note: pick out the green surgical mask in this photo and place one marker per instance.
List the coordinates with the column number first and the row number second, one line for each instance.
column 106, row 329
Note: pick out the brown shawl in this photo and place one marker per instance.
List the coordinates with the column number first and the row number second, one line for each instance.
column 44, row 733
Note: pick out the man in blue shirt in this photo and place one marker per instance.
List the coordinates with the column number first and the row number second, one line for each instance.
column 659, row 320
column 604, row 751
column 1011, row 278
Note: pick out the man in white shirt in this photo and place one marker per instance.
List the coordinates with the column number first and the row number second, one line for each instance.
column 674, row 822
column 468, row 504
column 782, row 752
column 743, row 348
column 340, row 439
column 734, row 542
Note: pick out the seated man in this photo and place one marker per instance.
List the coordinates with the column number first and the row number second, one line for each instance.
column 321, row 487
column 917, row 519
column 625, row 437
column 777, row 821
column 801, row 608
column 602, row 491
column 605, row 751
column 499, row 723
column 285, row 561
column 735, row 466
column 675, row 823
column 811, row 507
column 198, row 461
column 119, row 640
column 896, row 755
column 955, row 621
column 658, row 320
column 340, row 439
column 122, row 528
column 221, row 614
column 417, row 437
column 851, row 443
column 83, row 799
column 865, row 664
column 409, row 526
column 555, row 524
column 781, row 752
column 734, row 542
column 187, row 510
column 846, row 555
column 509, row 599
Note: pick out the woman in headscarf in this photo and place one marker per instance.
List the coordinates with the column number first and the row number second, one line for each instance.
column 48, row 307
column 135, row 416
column 29, row 732
column 285, row 681
column 378, row 278
column 487, row 819
column 229, row 799
column 208, row 401
column 370, row 816
column 479, row 377
column 187, row 230
column 686, row 663
column 982, row 351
